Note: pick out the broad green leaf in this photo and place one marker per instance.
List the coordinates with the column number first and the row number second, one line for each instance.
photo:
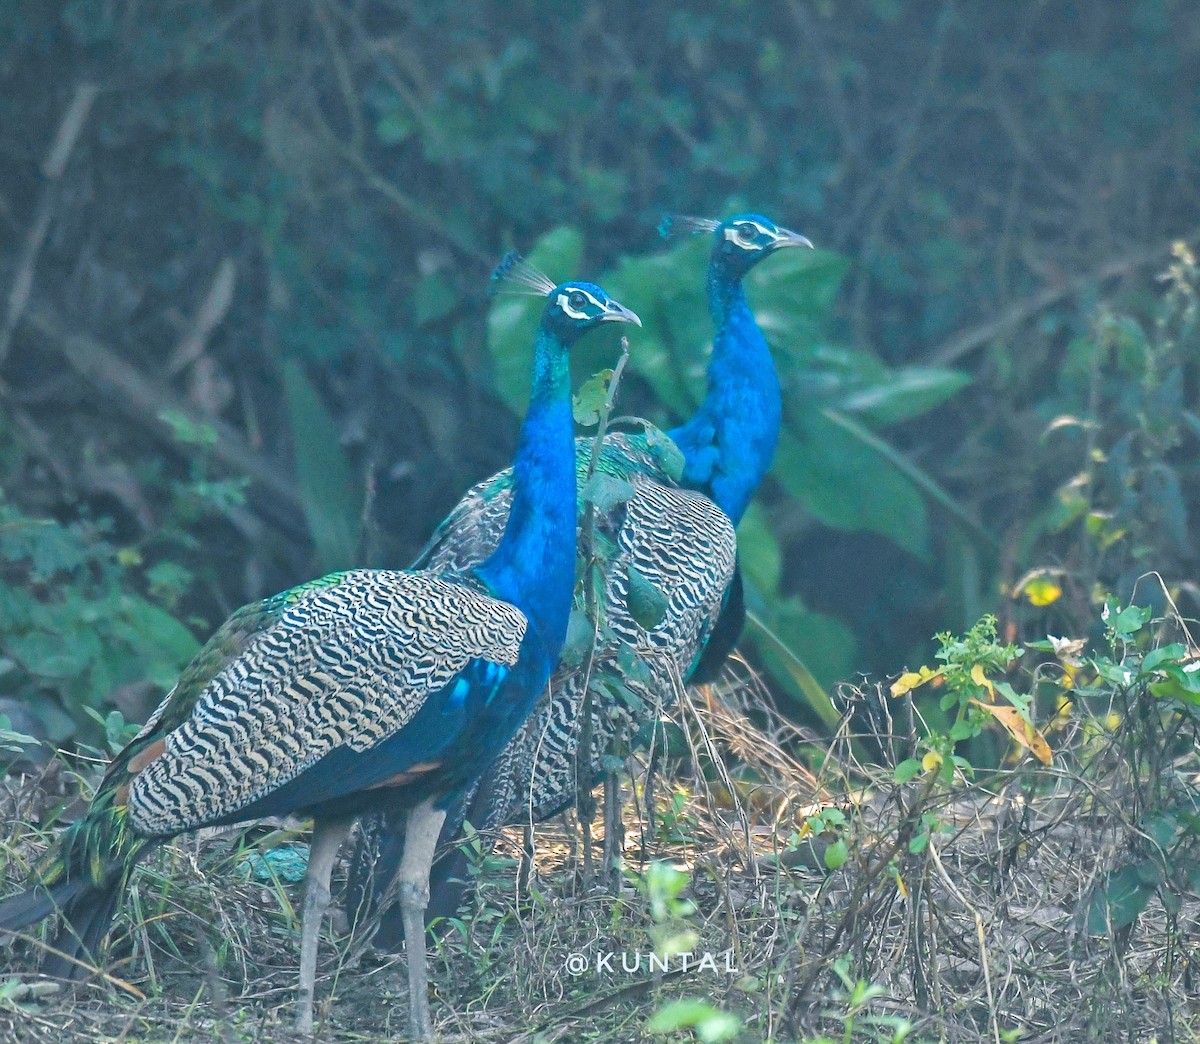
column 804, row 649
column 433, row 298
column 1130, row 620
column 606, row 491
column 847, row 485
column 759, row 555
column 670, row 352
column 907, row 770
column 330, row 493
column 590, row 399
column 647, row 604
column 47, row 655
column 904, row 393
column 1118, row 902
column 1163, row 654
column 792, row 294
column 836, row 855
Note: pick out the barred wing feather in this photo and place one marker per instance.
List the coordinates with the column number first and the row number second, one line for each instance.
column 342, row 668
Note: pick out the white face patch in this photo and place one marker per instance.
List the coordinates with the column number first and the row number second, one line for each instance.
column 733, row 234
column 564, row 302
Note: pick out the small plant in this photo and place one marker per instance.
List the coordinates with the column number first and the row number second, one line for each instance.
column 673, row 933
column 829, row 822
column 856, row 997
column 971, row 697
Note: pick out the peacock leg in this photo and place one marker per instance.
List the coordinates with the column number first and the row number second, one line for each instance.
column 327, row 838
column 420, row 843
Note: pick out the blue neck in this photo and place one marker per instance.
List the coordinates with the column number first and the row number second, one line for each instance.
column 533, row 567
column 729, row 443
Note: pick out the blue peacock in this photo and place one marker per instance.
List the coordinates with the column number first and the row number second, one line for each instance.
column 381, row 688
column 676, row 535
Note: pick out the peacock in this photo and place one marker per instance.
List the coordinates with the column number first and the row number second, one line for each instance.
column 380, row 688
column 675, row 532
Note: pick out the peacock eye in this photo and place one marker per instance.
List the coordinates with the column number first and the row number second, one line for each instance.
column 746, row 233
column 577, row 300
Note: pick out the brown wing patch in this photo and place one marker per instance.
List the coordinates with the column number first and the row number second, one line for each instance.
column 408, row 775
column 143, row 757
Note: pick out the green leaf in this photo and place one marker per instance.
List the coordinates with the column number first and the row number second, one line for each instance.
column 1178, row 686
column 836, row 855
column 710, row 1024
column 848, row 486
column 788, row 665
column 188, row 431
column 904, row 393
column 433, row 298
column 908, row 770
column 962, row 730
column 606, row 491
column 1155, row 657
column 395, row 127
column 759, row 555
column 590, row 400
column 47, row 655
column 918, row 476
column 1129, row 620
column 666, row 288
column 581, row 633
column 331, row 497
column 793, row 294
column 1118, row 902
column 13, row 741
column 647, row 604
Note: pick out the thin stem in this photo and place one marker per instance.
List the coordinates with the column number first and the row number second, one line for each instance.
column 583, row 754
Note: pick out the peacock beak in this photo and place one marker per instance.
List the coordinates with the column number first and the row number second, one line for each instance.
column 785, row 238
column 618, row 313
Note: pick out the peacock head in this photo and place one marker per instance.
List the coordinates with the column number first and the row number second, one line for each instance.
column 739, row 242
column 571, row 308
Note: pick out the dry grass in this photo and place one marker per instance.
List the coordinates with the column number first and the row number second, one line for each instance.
column 979, row 937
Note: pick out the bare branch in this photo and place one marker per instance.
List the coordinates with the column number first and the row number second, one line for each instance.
column 965, row 343
column 55, row 163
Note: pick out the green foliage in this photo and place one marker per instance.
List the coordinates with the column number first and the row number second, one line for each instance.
column 854, row 1001
column 830, row 471
column 673, row 933
column 1147, row 692
column 706, row 1022
column 332, row 497
column 832, row 824
column 1157, row 682
column 117, row 731
column 968, row 701
column 361, row 167
column 1118, row 447
column 12, row 741
column 74, row 625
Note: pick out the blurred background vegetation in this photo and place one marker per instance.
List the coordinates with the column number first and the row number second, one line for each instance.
column 244, row 334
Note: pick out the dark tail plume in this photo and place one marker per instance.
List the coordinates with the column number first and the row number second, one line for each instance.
column 87, row 910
